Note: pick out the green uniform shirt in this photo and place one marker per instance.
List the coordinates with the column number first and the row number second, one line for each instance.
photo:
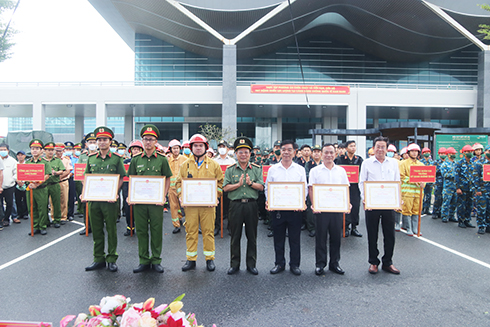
column 111, row 164
column 232, row 176
column 154, row 165
column 83, row 159
column 41, row 161
column 56, row 165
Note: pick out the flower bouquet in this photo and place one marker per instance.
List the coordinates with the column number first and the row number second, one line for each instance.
column 117, row 311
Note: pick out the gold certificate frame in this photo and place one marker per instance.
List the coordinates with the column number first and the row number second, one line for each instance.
column 331, row 197
column 382, row 195
column 199, row 192
column 146, row 190
column 286, row 196
column 100, row 187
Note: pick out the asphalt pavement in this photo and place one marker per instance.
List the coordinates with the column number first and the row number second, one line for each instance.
column 436, row 287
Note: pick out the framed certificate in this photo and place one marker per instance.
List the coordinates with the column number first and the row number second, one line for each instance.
column 100, row 187
column 331, row 197
column 146, row 190
column 382, row 195
column 286, row 196
column 199, row 192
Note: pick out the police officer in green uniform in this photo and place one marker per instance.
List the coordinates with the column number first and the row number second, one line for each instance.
column 91, row 143
column 104, row 162
column 243, row 181
column 39, row 190
column 150, row 163
column 53, row 183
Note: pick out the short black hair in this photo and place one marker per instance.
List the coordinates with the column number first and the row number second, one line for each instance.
column 285, row 142
column 381, row 139
column 4, row 145
column 349, row 143
column 305, row 146
column 342, row 145
column 328, row 144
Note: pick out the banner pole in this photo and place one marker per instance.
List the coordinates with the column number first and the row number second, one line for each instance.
column 131, row 219
column 86, row 219
column 221, row 205
column 32, row 212
column 420, row 208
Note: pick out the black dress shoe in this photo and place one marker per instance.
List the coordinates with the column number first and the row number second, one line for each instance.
column 462, row 225
column 319, row 271
column 127, row 232
column 70, row 218
column 176, row 230
column 210, row 265
column 43, row 232
column 233, row 270
column 312, row 233
column 36, row 231
column 62, row 222
column 56, row 225
column 468, row 224
column 95, row 266
column 216, row 231
column 270, row 234
column 189, row 265
column 141, row 268
column 112, row 266
column 347, row 232
column 253, row 270
column 295, row 270
column 157, row 267
column 83, row 231
column 355, row 232
column 303, row 227
column 481, row 230
column 336, row 269
column 277, row 269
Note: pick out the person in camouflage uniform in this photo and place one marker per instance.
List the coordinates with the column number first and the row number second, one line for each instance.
column 486, row 161
column 427, row 161
column 438, row 185
column 463, row 184
column 448, row 172
column 478, row 191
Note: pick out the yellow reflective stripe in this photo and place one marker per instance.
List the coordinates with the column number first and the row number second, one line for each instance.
column 173, row 178
column 172, row 184
column 209, row 253
column 191, row 254
column 220, row 190
column 175, row 219
column 179, row 190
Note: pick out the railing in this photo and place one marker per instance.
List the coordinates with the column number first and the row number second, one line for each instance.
column 239, row 83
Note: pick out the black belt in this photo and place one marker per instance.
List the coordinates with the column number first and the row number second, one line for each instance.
column 244, row 200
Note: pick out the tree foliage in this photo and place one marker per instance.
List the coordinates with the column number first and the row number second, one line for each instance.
column 214, row 134
column 6, row 42
column 484, row 28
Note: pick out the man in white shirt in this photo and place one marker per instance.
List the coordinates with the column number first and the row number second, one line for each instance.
column 380, row 168
column 223, row 158
column 8, row 185
column 290, row 221
column 327, row 223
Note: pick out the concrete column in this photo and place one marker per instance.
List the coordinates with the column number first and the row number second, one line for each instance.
column 128, row 128
column 100, row 114
column 274, row 134
column 356, row 119
column 318, row 138
column 279, row 129
column 229, row 107
column 38, row 116
column 79, row 127
column 330, row 122
column 185, row 131
column 483, row 95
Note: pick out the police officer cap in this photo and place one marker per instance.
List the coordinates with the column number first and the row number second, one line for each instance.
column 277, row 143
column 114, row 143
column 259, row 153
column 122, row 146
column 90, row 136
column 316, row 147
column 243, row 142
column 78, row 146
column 223, row 142
column 49, row 146
column 36, row 142
column 103, row 131
column 150, row 129
column 69, row 145
column 257, row 147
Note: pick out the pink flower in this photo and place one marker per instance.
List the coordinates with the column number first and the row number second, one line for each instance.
column 147, row 320
column 130, row 318
column 66, row 320
column 160, row 308
column 94, row 310
column 81, row 318
column 148, row 305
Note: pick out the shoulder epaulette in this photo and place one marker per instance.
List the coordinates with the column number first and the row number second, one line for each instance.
column 117, row 154
column 92, row 154
column 254, row 164
column 232, row 165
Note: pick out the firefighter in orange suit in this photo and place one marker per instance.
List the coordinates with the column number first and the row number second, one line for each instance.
column 199, row 166
column 175, row 160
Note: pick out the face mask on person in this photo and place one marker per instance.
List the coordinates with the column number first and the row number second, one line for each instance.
column 443, row 156
column 68, row 153
column 77, row 153
column 230, row 153
column 92, row 147
column 468, row 155
column 187, row 151
column 487, row 155
column 222, row 151
column 4, row 153
column 427, row 154
column 390, row 154
column 113, row 149
column 121, row 152
column 452, row 156
column 277, row 152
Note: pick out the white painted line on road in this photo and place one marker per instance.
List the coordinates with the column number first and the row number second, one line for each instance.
column 27, row 255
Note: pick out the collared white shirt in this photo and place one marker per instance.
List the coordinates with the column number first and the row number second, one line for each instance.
column 322, row 175
column 9, row 172
column 278, row 173
column 373, row 170
column 227, row 161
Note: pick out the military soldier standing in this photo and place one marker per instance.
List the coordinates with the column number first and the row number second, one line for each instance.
column 39, row 190
column 53, row 183
column 448, row 172
column 427, row 161
column 463, row 183
column 199, row 166
column 149, row 163
column 91, row 144
column 438, row 185
column 478, row 190
column 243, row 181
column 104, row 162
column 175, row 161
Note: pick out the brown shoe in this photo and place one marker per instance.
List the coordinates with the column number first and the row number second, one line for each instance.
column 391, row 269
column 17, row 221
column 373, row 269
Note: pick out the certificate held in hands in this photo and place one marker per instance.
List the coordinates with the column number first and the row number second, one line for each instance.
column 286, row 196
column 382, row 195
column 331, row 198
column 146, row 190
column 100, row 187
column 199, row 192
